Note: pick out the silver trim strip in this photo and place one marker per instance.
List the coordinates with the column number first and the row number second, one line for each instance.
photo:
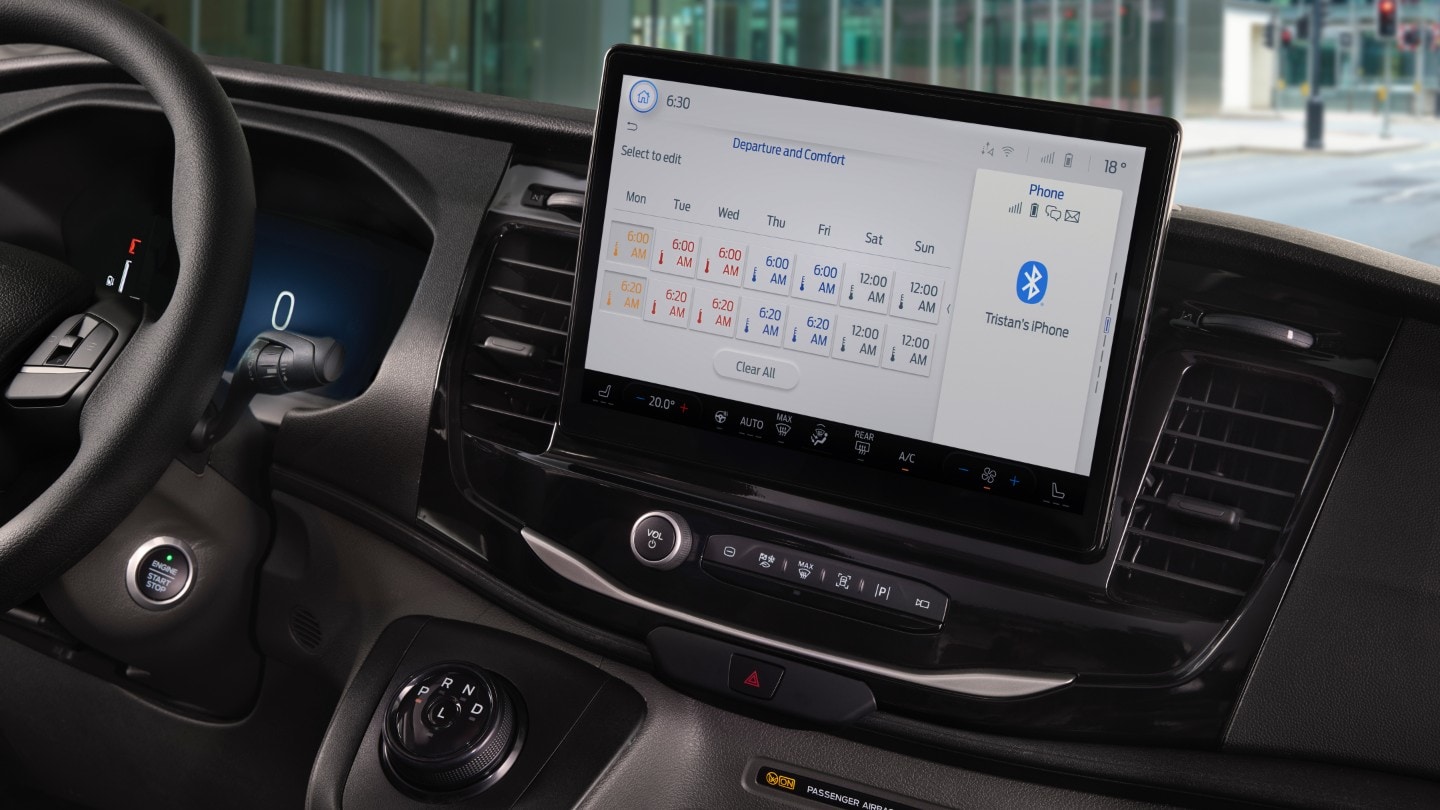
column 52, row 370
column 970, row 682
column 565, row 199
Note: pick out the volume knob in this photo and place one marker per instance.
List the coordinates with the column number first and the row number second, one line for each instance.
column 661, row 540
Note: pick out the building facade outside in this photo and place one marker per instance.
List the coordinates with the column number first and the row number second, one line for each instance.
column 1178, row 57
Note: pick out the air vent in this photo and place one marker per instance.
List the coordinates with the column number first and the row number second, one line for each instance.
column 515, row 360
column 1221, row 490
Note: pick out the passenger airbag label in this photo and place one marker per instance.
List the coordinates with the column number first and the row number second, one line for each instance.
column 784, row 780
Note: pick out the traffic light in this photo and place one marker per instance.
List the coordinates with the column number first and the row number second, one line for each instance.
column 1270, row 35
column 1302, row 27
column 1410, row 37
column 1385, row 19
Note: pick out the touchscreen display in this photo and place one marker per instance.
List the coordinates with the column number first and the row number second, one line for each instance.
column 929, row 297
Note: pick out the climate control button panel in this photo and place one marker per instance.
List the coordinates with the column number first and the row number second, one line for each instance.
column 827, row 575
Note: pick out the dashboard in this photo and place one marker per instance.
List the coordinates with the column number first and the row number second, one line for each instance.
column 637, row 506
column 767, row 561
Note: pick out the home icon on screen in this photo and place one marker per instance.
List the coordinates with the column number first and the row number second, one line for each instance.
column 643, row 96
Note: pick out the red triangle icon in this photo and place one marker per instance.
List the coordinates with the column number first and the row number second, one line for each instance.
column 753, row 681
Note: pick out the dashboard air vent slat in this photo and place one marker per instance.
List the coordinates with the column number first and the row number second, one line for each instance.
column 1241, row 442
column 515, row 361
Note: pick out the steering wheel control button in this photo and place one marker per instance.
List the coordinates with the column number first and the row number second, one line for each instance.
column 51, row 344
column 92, row 347
column 753, row 677
column 449, row 728
column 660, row 540
column 160, row 573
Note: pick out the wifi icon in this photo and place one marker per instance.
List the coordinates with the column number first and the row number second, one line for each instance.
column 1008, row 150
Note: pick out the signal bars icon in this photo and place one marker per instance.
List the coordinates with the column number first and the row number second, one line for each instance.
column 1017, row 208
column 1050, row 158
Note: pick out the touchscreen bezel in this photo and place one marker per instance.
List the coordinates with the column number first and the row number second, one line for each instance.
column 880, row 491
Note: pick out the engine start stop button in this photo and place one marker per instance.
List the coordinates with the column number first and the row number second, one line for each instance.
column 160, row 573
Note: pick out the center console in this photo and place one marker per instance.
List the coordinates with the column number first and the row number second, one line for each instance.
column 469, row 716
column 846, row 388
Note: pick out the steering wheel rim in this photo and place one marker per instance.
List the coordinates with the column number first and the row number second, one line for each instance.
column 152, row 396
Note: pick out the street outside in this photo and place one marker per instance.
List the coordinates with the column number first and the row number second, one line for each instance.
column 1384, row 193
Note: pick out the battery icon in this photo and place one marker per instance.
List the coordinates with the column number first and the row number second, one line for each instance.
column 1034, row 209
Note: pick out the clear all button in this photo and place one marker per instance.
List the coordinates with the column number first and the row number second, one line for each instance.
column 757, row 369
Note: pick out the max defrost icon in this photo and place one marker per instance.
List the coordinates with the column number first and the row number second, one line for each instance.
column 643, row 96
column 1031, row 283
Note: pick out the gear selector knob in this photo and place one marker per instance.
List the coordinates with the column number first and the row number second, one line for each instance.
column 450, row 727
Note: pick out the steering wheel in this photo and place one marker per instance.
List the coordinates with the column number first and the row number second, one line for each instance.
column 150, row 397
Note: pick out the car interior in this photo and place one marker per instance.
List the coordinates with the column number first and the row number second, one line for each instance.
column 765, row 437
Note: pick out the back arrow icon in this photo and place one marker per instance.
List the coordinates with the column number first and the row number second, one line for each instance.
column 631, row 125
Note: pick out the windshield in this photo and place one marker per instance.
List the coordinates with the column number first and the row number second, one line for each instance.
column 1326, row 118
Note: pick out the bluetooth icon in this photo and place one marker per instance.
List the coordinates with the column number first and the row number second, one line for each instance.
column 1031, row 283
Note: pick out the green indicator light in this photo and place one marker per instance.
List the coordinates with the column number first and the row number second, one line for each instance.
column 169, row 558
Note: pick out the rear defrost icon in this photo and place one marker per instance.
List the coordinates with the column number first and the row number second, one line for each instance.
column 1031, row 283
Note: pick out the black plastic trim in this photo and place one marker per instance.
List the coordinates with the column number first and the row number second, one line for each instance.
column 1281, row 254
column 806, row 692
column 462, row 569
column 1186, row 778
column 352, row 715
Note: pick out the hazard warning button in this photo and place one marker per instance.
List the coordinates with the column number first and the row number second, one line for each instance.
column 753, row 677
